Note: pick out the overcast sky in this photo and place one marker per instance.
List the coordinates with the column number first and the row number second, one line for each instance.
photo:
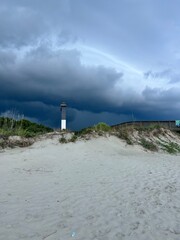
column 110, row 60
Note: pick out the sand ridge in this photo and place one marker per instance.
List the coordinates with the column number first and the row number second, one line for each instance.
column 99, row 189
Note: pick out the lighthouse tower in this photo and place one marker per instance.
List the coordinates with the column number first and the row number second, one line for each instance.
column 63, row 107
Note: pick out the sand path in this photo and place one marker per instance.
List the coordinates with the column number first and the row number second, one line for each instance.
column 94, row 190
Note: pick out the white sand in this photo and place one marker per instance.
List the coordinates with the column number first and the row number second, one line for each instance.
column 97, row 190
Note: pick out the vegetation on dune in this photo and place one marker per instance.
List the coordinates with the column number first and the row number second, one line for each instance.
column 170, row 147
column 125, row 134
column 99, row 128
column 63, row 140
column 19, row 132
column 152, row 138
column 122, row 132
column 74, row 138
column 83, row 131
column 148, row 128
column 149, row 137
column 148, row 145
column 103, row 127
column 23, row 128
column 146, row 136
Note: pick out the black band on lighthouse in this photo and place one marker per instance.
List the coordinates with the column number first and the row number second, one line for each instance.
column 63, row 114
column 63, row 111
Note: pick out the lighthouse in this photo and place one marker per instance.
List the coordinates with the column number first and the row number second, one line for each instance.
column 63, row 107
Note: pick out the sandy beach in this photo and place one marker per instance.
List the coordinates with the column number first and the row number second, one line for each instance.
column 99, row 189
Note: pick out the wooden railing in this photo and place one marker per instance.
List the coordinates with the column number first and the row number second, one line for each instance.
column 167, row 124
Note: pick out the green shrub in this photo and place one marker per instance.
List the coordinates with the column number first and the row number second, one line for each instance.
column 148, row 145
column 83, row 132
column 29, row 134
column 171, row 147
column 23, row 127
column 74, row 138
column 102, row 127
column 62, row 140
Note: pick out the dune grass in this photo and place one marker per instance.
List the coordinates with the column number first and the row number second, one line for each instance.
column 99, row 128
column 23, row 128
column 148, row 145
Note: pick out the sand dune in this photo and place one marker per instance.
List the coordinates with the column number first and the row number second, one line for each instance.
column 95, row 190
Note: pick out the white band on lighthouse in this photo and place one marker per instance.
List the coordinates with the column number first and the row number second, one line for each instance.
column 63, row 124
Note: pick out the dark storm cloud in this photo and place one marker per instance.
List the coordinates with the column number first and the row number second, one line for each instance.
column 37, row 83
column 48, row 77
column 159, row 96
column 162, row 104
column 35, row 111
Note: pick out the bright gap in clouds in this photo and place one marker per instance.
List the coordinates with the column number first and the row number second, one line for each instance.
column 133, row 78
column 97, row 57
column 90, row 56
